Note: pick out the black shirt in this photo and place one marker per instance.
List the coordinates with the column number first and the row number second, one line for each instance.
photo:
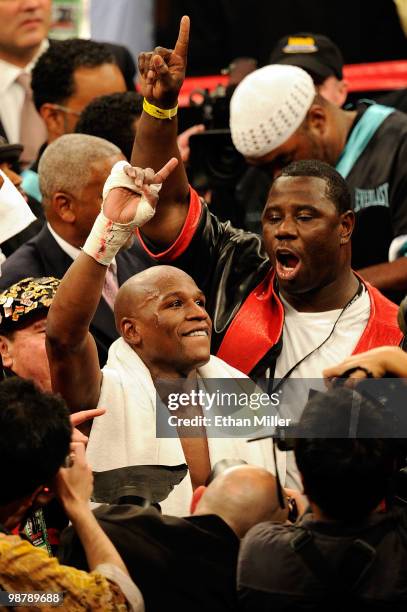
column 183, row 564
column 273, row 576
column 378, row 184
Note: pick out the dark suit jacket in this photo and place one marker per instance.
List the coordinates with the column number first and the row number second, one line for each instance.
column 183, row 564
column 42, row 256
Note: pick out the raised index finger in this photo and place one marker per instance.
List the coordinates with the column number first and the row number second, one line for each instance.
column 165, row 171
column 181, row 46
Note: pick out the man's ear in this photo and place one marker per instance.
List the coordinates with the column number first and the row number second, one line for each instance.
column 64, row 206
column 130, row 331
column 6, row 352
column 347, row 225
column 334, row 90
column 316, row 120
column 343, row 87
column 196, row 498
column 53, row 119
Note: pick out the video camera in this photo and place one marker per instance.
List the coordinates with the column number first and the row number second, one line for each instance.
column 215, row 165
column 214, row 161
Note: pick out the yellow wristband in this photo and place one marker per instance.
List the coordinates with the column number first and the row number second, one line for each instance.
column 159, row 113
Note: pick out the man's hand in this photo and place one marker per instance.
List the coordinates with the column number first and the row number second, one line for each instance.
column 183, row 140
column 162, row 71
column 78, row 418
column 73, row 485
column 121, row 204
column 378, row 362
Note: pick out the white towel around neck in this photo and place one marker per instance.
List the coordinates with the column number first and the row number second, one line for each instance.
column 126, row 434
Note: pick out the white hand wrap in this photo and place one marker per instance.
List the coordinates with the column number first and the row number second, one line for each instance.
column 107, row 237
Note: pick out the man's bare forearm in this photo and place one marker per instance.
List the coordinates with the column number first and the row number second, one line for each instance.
column 72, row 354
column 102, row 555
column 97, row 546
column 76, row 301
column 155, row 144
column 162, row 73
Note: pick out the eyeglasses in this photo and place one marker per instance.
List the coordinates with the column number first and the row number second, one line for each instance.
column 65, row 109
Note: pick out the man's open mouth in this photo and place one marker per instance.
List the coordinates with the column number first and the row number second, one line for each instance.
column 287, row 264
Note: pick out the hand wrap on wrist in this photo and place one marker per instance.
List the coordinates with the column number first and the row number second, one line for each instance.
column 107, row 237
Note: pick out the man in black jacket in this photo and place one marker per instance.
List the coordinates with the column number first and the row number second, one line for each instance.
column 345, row 554
column 188, row 563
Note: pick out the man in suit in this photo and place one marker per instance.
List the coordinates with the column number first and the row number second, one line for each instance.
column 69, row 75
column 72, row 173
column 23, row 39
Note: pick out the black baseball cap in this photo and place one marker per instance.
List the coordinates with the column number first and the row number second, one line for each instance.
column 315, row 53
column 9, row 152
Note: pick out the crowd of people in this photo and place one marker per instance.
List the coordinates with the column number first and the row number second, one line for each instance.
column 129, row 311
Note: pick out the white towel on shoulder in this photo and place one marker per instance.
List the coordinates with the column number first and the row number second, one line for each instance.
column 126, row 434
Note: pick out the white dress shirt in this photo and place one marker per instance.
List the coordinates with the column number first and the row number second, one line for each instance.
column 12, row 94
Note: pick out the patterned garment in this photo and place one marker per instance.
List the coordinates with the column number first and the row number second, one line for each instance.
column 24, row 568
column 26, row 298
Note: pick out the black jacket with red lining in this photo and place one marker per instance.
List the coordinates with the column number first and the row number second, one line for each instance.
column 231, row 267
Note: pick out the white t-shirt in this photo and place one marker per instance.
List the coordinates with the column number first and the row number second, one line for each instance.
column 303, row 332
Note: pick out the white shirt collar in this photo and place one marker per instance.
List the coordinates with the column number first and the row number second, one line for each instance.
column 70, row 250
column 9, row 72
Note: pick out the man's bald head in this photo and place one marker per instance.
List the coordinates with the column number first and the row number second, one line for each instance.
column 242, row 496
column 144, row 287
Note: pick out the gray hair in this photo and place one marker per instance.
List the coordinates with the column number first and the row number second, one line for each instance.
column 65, row 163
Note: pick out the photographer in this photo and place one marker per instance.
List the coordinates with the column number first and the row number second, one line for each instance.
column 35, row 438
column 346, row 551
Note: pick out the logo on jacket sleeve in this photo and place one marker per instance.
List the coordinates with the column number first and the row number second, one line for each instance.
column 364, row 198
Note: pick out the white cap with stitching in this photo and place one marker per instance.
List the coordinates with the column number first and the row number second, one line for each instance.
column 268, row 106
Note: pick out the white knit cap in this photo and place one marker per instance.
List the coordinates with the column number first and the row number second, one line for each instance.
column 268, row 106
